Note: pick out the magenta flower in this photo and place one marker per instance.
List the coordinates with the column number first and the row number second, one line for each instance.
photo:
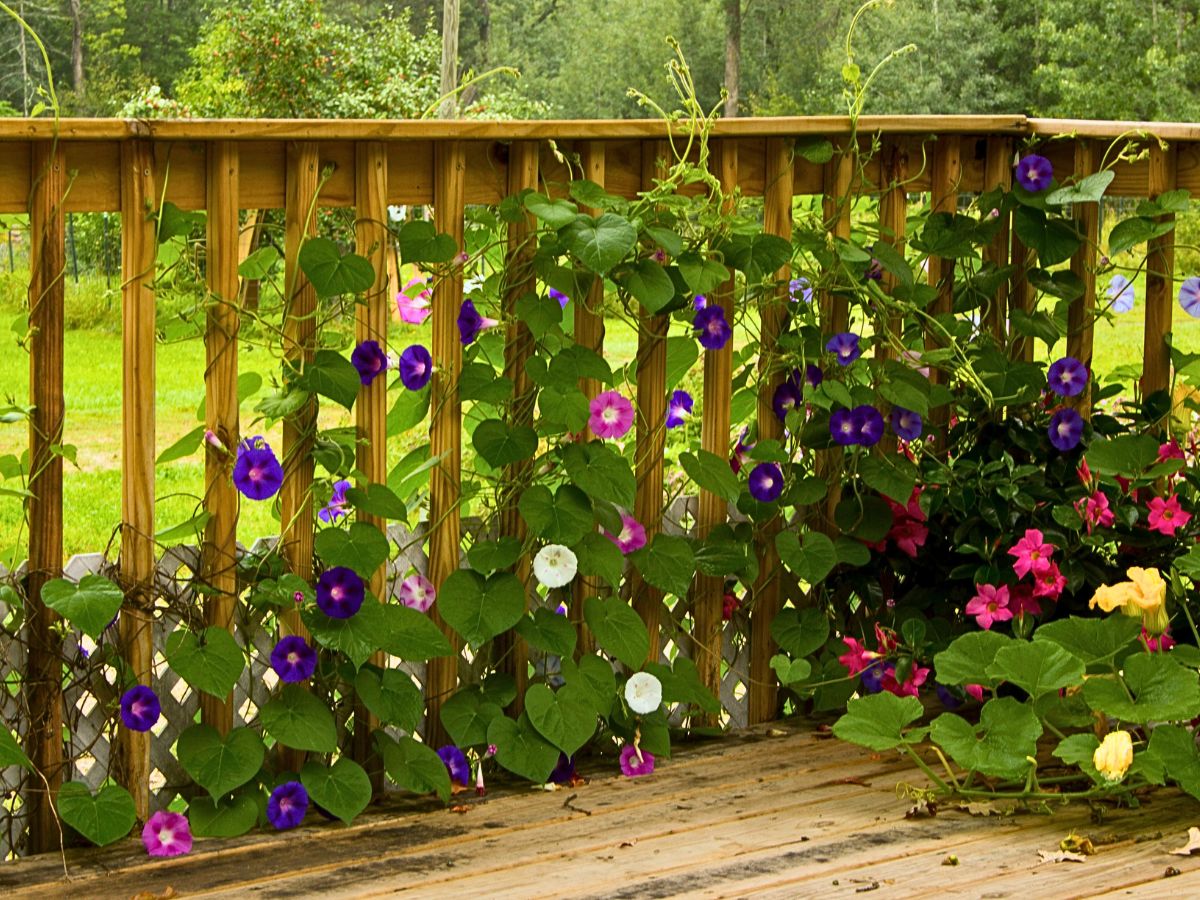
column 1168, row 451
column 470, row 323
column 1120, row 292
column 868, row 425
column 369, row 359
column 906, row 423
column 140, row 708
column 632, row 536
column 1166, row 516
column 1032, row 553
column 1066, row 429
column 287, row 805
column 1049, row 582
column 611, row 415
column 766, row 482
column 413, row 307
column 1160, row 644
column 800, row 289
column 787, row 397
column 1034, row 173
column 1067, row 377
column 340, row 592
column 416, row 367
column 857, row 657
column 845, row 347
column 679, row 408
column 293, row 659
column 1094, row 510
column 712, row 330
column 1189, row 296
column 989, row 605
column 417, row 592
column 562, row 298
column 456, row 764
column 741, row 452
column 257, row 474
column 911, row 685
column 167, row 834
column 337, row 505
column 636, row 762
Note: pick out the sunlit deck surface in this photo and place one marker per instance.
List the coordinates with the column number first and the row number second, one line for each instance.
column 779, row 811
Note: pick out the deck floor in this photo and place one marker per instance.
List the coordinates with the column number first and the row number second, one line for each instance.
column 778, row 812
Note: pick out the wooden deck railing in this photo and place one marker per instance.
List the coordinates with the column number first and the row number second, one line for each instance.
column 48, row 169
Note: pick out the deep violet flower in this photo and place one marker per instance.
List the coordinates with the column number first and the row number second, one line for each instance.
column 873, row 675
column 1067, row 377
column 841, row 427
column 1120, row 292
column 1066, row 429
column 699, row 302
column 636, row 762
column 564, row 772
column 369, row 359
column 813, row 375
column 140, row 708
column 741, row 452
column 1189, row 296
column 679, row 408
column 712, row 330
column 167, row 834
column 800, row 289
column 456, row 764
column 416, row 367
column 257, row 474
column 336, row 507
column 906, row 423
column 845, row 347
column 293, row 659
column 787, row 397
column 766, row 482
column 287, row 805
column 611, row 415
column 868, row 424
column 470, row 322
column 562, row 298
column 417, row 592
column 632, row 536
column 1034, row 173
column 340, row 592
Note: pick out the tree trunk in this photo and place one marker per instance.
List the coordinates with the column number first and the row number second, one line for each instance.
column 733, row 56
column 449, row 106
column 485, row 33
column 77, row 46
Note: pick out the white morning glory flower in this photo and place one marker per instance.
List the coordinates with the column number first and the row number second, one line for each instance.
column 643, row 693
column 555, row 565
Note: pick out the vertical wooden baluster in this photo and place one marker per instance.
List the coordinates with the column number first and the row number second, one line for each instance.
column 43, row 674
column 1160, row 267
column 445, row 430
column 371, row 323
column 1083, row 265
column 651, row 437
column 777, row 220
column 893, row 223
column 511, row 651
column 219, row 554
column 998, row 174
column 945, row 179
column 713, row 510
column 138, row 250
column 589, row 332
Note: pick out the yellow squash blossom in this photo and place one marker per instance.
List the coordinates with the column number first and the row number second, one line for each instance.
column 1114, row 756
column 1144, row 595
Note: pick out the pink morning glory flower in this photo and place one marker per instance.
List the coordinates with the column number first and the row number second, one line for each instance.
column 611, row 415
column 1031, row 552
column 167, row 834
column 417, row 592
column 989, row 605
column 413, row 305
column 632, row 536
column 636, row 762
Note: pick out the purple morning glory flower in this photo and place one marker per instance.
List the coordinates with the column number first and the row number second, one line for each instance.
column 842, row 427
column 1189, row 296
column 257, row 474
column 416, row 367
column 140, row 708
column 766, row 482
column 699, row 302
column 293, row 659
column 336, row 507
column 787, row 396
column 813, row 375
column 1066, row 429
column 800, row 289
column 713, row 331
column 868, row 424
column 470, row 322
column 564, row 772
column 874, row 270
column 369, row 358
column 872, row 677
column 456, row 763
column 287, row 805
column 947, row 697
column 562, row 298
column 845, row 346
column 906, row 423
column 679, row 408
column 1034, row 173
column 1067, row 377
column 340, row 592
column 1120, row 291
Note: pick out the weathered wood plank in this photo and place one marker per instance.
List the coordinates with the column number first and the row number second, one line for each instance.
column 998, row 175
column 1081, row 315
column 947, row 178
column 1160, row 266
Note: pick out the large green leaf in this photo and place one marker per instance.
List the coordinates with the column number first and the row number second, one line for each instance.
column 878, row 721
column 555, row 213
column 480, row 608
column 420, row 242
column 298, row 719
column 220, row 764
column 649, row 283
column 377, row 500
column 549, row 632
column 600, row 243
column 1156, row 689
column 333, row 273
column 230, row 817
column 414, row 766
column 211, row 661
column 618, row 629
column 563, row 517
column 599, row 557
column 361, row 547
column 712, row 473
column 1175, row 748
column 1078, row 750
column 331, row 375
column 1129, row 233
column 893, row 476
column 667, row 562
column 810, row 561
column 342, row 789
column 800, row 631
column 1125, row 454
column 391, row 695
column 758, row 256
column 1095, row 641
column 682, row 353
column 601, row 472
column 681, row 684
column 467, row 715
column 11, row 753
column 1054, row 239
column 89, row 606
column 564, row 718
column 1036, row 668
column 1002, row 744
column 521, row 750
column 501, row 443
column 967, row 659
column 358, row 636
column 173, row 222
column 102, row 819
column 1088, row 189
column 410, row 635
column 700, row 274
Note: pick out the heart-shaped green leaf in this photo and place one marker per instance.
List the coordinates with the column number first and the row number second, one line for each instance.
column 618, row 629
column 521, row 750
column 227, row 818
column 391, row 696
column 342, row 789
column 600, row 243
column 1000, row 746
column 420, row 243
column 220, row 764
column 210, row 661
column 566, row 719
column 410, row 635
column 563, row 517
column 467, row 715
column 800, row 632
column 299, row 720
column 361, row 547
column 331, row 375
column 479, row 608
column 102, row 819
column 11, row 753
column 667, row 562
column 414, row 766
column 358, row 636
column 548, row 631
column 501, row 443
column 332, row 273
column 88, row 606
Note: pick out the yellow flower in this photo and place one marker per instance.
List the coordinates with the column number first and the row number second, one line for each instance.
column 1111, row 596
column 1114, row 756
column 1151, row 590
column 1144, row 596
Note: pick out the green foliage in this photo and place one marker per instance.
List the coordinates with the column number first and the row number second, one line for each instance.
column 102, row 819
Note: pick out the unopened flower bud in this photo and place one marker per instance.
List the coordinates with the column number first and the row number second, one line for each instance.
column 1114, row 756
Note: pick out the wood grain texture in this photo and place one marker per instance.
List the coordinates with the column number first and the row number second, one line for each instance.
column 445, row 429
column 999, row 174
column 137, row 564
column 43, row 673
column 1081, row 315
column 219, row 553
column 1160, row 266
column 766, row 591
column 947, row 180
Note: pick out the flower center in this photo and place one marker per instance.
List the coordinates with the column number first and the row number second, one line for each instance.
column 293, row 658
column 610, row 415
column 336, row 593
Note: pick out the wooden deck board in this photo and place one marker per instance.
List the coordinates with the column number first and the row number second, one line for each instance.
column 780, row 812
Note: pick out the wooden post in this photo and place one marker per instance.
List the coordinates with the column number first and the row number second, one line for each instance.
column 512, row 653
column 777, row 220
column 651, row 437
column 1083, row 264
column 371, row 238
column 945, row 179
column 998, row 173
column 138, row 252
column 43, row 675
column 893, row 223
column 589, row 332
column 1160, row 266
column 445, row 428
column 713, row 510
column 219, row 552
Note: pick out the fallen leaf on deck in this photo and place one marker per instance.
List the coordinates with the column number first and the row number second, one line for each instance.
column 1060, row 856
column 168, row 894
column 981, row 809
column 626, row 843
column 1074, row 843
column 462, row 808
column 1192, row 845
column 776, row 732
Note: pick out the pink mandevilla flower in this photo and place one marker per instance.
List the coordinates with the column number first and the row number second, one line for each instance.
column 911, row 684
column 611, row 415
column 1049, row 582
column 989, row 605
column 1031, row 552
column 632, row 536
column 1167, row 515
column 1095, row 511
column 857, row 656
column 974, row 691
